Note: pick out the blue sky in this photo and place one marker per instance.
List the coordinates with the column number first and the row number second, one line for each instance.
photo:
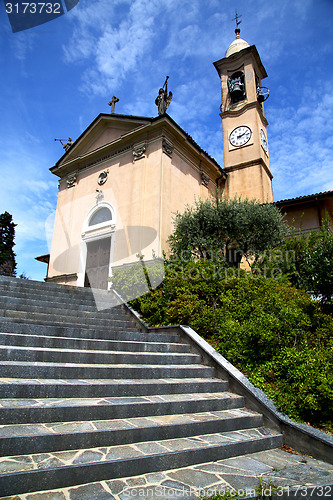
column 57, row 77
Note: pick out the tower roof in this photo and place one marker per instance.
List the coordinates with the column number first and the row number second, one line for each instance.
column 237, row 45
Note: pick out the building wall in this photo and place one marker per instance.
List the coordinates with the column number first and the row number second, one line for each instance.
column 308, row 215
column 144, row 194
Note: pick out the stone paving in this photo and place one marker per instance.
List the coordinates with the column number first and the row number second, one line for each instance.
column 76, row 381
column 274, row 470
column 40, row 461
column 10, row 403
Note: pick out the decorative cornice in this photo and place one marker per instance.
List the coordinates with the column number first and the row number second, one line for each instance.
column 204, row 179
column 139, row 151
column 71, row 181
column 167, row 147
column 106, row 157
column 240, row 110
column 251, row 163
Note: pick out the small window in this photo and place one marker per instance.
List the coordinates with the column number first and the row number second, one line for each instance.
column 102, row 215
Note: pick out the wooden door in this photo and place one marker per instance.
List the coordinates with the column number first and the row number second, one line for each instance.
column 98, row 263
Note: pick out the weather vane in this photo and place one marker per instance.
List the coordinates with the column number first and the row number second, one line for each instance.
column 237, row 19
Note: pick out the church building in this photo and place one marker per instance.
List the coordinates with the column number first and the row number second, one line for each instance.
column 123, row 179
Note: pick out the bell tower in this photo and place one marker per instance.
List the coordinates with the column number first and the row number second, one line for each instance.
column 245, row 146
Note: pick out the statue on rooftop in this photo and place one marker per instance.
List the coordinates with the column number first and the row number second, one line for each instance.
column 163, row 99
column 65, row 145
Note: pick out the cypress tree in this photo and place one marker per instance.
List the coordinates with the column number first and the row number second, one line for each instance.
column 7, row 235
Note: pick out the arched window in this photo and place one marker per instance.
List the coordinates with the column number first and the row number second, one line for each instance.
column 102, row 215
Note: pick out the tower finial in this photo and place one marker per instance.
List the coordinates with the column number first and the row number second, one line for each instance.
column 238, row 21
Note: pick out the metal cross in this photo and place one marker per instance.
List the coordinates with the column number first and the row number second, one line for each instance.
column 236, row 18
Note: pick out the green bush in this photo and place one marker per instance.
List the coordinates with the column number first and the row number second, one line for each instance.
column 270, row 330
column 306, row 260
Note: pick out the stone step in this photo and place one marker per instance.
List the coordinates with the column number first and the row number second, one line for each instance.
column 25, row 439
column 24, row 411
column 12, row 339
column 64, row 305
column 82, row 319
column 223, row 479
column 9, row 283
column 57, row 355
column 72, row 388
column 25, row 473
column 57, row 293
column 74, row 294
column 23, row 369
column 25, row 301
column 10, row 325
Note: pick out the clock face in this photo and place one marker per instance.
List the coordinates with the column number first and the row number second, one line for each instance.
column 240, row 136
column 263, row 140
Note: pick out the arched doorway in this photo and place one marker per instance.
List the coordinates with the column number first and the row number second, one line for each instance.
column 97, row 246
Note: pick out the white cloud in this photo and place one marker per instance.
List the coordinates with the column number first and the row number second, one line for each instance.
column 27, row 190
column 115, row 46
column 301, row 145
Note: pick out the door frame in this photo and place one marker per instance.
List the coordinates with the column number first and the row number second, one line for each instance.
column 93, row 233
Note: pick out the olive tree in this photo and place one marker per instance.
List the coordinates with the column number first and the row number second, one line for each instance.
column 227, row 229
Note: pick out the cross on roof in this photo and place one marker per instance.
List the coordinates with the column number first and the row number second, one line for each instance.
column 237, row 19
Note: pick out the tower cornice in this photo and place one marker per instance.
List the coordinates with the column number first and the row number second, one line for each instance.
column 238, row 56
column 240, row 110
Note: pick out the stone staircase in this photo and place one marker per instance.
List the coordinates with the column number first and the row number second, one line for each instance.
column 91, row 395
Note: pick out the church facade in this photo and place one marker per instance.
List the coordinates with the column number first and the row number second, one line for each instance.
column 123, row 179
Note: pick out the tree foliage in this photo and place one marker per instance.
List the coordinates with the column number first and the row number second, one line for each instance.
column 306, row 260
column 231, row 229
column 7, row 235
column 318, row 263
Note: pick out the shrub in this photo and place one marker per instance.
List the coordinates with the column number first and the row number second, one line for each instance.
column 270, row 330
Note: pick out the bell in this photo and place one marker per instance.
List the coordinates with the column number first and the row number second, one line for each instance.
column 236, row 88
column 260, row 95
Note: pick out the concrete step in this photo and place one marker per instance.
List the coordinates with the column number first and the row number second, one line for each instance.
column 27, row 296
column 75, row 295
column 24, row 411
column 9, row 283
column 12, row 339
column 57, row 355
column 82, row 319
column 25, row 439
column 88, row 388
column 10, row 325
column 66, row 310
column 37, row 370
column 22, row 474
